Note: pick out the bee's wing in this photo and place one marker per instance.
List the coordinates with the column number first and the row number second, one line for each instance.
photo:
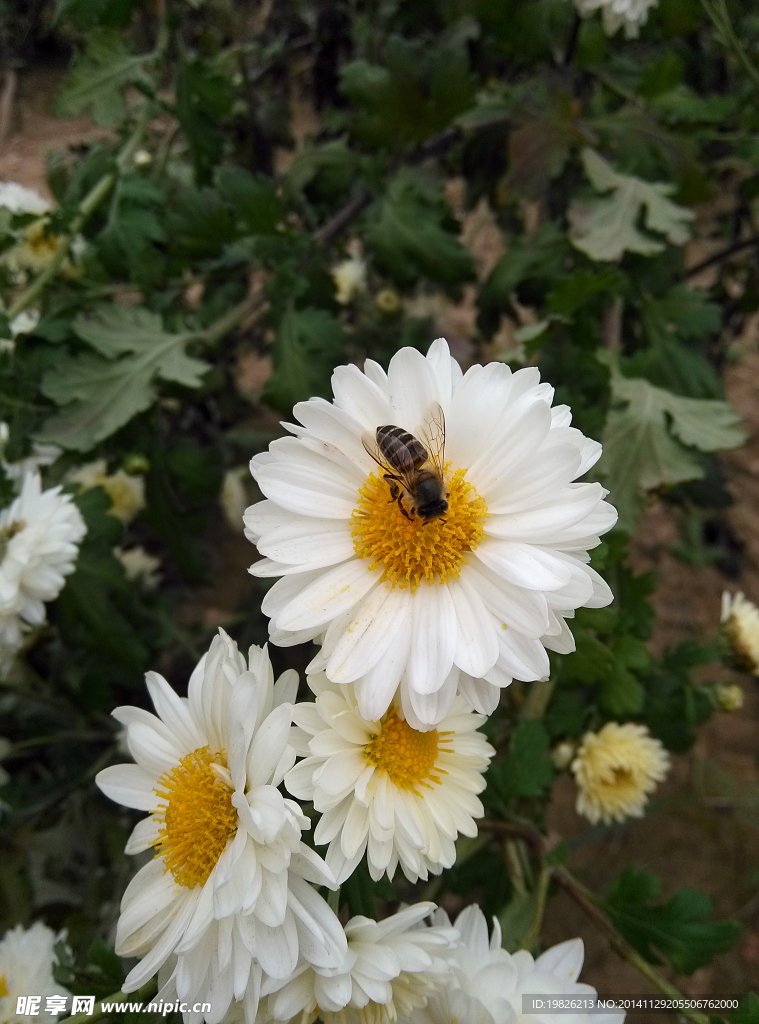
column 432, row 434
column 402, row 473
column 369, row 441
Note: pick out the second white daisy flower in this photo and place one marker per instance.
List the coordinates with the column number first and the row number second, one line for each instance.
column 399, row 794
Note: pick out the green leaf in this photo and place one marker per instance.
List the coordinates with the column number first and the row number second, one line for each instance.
column 204, row 98
column 527, row 768
column 102, row 394
column 253, row 199
column 308, row 344
column 414, row 233
column 748, row 1011
column 422, row 87
column 98, row 78
column 540, row 258
column 606, row 228
column 516, row 919
column 681, row 930
column 682, row 313
column 649, row 437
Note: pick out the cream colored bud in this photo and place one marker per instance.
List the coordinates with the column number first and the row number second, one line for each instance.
column 387, row 301
column 728, row 698
column 562, row 754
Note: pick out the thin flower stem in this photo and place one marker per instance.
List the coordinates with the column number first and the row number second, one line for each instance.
column 586, row 900
column 538, row 698
column 717, row 11
column 71, row 736
column 85, row 1018
column 541, row 895
column 97, row 193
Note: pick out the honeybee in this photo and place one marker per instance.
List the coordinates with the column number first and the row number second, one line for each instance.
column 413, row 467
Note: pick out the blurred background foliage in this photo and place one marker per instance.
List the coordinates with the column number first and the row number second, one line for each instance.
column 496, row 170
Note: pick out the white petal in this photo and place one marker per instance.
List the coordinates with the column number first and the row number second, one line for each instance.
column 412, row 387
column 317, row 490
column 524, row 565
column 329, row 595
column 477, row 405
column 375, row 690
column 525, row 610
column 360, row 397
column 433, row 639
column 476, row 640
column 370, row 633
column 130, row 785
column 312, row 544
column 423, row 711
column 174, row 711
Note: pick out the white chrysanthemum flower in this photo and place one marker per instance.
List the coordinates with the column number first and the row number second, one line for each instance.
column 481, row 590
column 390, row 970
column 616, row 14
column 487, row 983
column 615, row 770
column 228, row 891
column 139, row 564
column 39, row 537
column 401, row 795
column 126, row 490
column 350, row 278
column 740, row 624
column 26, row 968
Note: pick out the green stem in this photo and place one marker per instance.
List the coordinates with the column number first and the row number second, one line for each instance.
column 720, row 17
column 541, row 895
column 586, row 900
column 140, row 996
column 62, row 737
column 538, row 697
column 98, row 192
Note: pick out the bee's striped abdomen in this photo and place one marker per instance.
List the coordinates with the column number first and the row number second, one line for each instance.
column 401, row 449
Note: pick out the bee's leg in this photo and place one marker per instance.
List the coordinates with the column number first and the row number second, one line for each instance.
column 400, row 506
column 394, row 488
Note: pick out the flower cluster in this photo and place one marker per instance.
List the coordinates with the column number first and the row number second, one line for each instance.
column 431, row 535
column 26, row 968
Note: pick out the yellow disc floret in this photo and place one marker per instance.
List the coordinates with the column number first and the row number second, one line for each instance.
column 407, row 755
column 4, row 990
column 409, row 551
column 198, row 818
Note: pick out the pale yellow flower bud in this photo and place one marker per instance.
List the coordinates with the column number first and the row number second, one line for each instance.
column 562, row 754
column 740, row 626
column 387, row 301
column 728, row 698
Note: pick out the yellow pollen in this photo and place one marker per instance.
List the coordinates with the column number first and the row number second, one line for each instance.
column 409, row 551
column 198, row 818
column 406, row 755
column 4, row 990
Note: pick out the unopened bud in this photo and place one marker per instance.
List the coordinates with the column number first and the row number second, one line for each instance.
column 135, row 464
column 728, row 698
column 387, row 301
column 562, row 754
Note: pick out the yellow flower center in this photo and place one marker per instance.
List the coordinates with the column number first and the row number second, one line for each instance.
column 409, row 551
column 4, row 990
column 408, row 756
column 198, row 818
column 42, row 245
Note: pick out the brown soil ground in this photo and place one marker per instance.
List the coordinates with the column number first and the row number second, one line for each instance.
column 702, row 826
